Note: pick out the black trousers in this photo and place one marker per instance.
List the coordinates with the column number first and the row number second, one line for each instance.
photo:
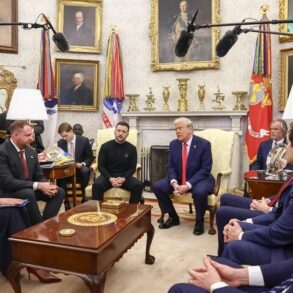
column 131, row 184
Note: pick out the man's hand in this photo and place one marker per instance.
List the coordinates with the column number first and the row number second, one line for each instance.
column 48, row 188
column 204, row 277
column 117, row 181
column 260, row 205
column 232, row 231
column 79, row 165
column 231, row 276
column 180, row 189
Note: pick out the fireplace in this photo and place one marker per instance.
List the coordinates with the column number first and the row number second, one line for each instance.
column 156, row 131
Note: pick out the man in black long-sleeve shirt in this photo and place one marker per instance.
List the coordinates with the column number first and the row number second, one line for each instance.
column 117, row 161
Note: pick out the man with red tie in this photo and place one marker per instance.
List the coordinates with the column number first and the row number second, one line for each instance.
column 22, row 177
column 189, row 169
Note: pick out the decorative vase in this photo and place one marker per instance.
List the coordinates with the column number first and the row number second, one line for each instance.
column 166, row 95
column 201, row 95
column 182, row 102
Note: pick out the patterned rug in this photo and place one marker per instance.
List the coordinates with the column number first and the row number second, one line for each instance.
column 181, row 209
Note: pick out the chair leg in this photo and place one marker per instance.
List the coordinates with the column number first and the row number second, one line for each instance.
column 212, row 210
column 190, row 208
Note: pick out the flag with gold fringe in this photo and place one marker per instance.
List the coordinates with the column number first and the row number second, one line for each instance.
column 260, row 94
column 113, row 83
column 46, row 85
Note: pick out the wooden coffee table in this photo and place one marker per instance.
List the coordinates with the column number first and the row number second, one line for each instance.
column 89, row 253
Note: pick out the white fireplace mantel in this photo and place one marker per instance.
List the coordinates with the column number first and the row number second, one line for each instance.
column 227, row 120
column 156, row 128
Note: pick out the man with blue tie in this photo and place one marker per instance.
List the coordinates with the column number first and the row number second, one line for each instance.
column 189, row 169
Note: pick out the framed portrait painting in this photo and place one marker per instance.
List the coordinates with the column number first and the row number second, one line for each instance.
column 8, row 33
column 81, row 23
column 286, row 76
column 77, row 84
column 286, row 12
column 169, row 18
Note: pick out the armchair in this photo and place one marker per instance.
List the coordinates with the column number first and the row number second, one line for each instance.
column 104, row 135
column 222, row 143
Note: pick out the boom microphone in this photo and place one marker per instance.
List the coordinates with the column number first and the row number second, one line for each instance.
column 185, row 38
column 58, row 38
column 227, row 42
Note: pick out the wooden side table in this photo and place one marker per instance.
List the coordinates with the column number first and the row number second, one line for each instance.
column 63, row 171
column 259, row 186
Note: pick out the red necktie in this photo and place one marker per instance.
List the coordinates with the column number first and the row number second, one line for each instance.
column 283, row 187
column 184, row 162
column 23, row 165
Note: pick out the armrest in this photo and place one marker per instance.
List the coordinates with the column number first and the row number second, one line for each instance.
column 219, row 178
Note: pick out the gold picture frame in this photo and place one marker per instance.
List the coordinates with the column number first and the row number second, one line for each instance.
column 77, row 84
column 164, row 33
column 9, row 33
column 286, row 12
column 81, row 23
column 286, row 56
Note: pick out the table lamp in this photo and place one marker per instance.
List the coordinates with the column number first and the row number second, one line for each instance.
column 27, row 104
column 288, row 112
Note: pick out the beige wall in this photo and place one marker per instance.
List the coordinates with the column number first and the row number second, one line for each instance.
column 132, row 17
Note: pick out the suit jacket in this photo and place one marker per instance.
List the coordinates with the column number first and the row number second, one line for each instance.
column 199, row 161
column 274, row 229
column 83, row 95
column 262, row 154
column 83, row 150
column 11, row 175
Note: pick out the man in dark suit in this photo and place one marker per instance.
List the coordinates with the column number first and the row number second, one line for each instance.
column 195, row 176
column 79, row 93
column 22, row 177
column 279, row 131
column 224, row 276
column 268, row 237
column 232, row 206
column 80, row 150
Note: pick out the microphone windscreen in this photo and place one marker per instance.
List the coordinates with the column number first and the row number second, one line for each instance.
column 61, row 42
column 226, row 43
column 183, row 43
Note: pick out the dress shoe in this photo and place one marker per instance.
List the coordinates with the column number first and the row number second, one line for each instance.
column 43, row 276
column 199, row 228
column 169, row 223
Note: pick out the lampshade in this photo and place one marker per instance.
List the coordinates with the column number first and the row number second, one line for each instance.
column 27, row 104
column 288, row 112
